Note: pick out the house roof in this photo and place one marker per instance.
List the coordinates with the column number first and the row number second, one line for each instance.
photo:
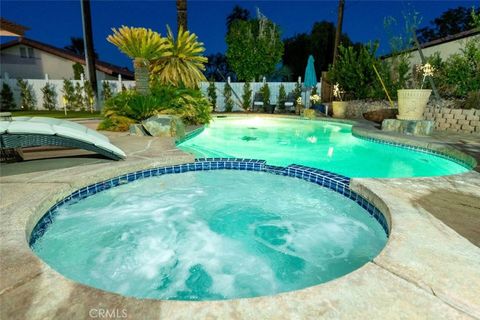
column 100, row 65
column 453, row 37
column 11, row 29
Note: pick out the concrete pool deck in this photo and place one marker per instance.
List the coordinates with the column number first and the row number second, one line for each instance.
column 427, row 269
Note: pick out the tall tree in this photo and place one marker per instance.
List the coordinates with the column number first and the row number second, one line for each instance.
column 448, row 23
column 254, row 48
column 319, row 43
column 238, row 13
column 182, row 14
column 218, row 68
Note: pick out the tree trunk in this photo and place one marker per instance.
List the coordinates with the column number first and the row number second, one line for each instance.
column 182, row 14
column 141, row 75
column 89, row 50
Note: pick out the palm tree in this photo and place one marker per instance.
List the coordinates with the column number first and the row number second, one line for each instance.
column 142, row 45
column 182, row 14
column 183, row 63
column 77, row 46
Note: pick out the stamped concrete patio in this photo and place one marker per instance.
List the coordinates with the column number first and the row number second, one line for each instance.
column 429, row 269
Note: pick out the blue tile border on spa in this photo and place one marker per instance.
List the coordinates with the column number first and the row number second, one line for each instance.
column 333, row 181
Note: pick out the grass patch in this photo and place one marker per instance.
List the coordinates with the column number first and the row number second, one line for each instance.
column 57, row 114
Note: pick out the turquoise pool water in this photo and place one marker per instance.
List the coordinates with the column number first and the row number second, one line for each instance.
column 324, row 145
column 210, row 235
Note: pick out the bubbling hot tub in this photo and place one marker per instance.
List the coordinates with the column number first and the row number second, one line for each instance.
column 218, row 229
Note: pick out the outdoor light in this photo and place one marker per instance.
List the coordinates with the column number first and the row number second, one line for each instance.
column 330, row 152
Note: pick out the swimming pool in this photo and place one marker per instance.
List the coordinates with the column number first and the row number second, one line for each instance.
column 325, row 145
column 211, row 235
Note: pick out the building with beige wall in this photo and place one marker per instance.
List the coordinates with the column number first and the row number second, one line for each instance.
column 444, row 46
column 29, row 59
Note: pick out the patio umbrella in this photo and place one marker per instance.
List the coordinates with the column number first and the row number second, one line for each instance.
column 310, row 78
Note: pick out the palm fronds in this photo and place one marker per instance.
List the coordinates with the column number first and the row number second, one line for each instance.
column 183, row 63
column 139, row 42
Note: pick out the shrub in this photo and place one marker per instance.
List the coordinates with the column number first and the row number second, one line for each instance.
column 353, row 71
column 115, row 123
column 246, row 96
column 212, row 94
column 282, row 97
column 69, row 97
column 227, row 93
column 89, row 96
column 106, row 91
column 6, row 98
column 27, row 97
column 297, row 92
column 49, row 97
column 189, row 104
column 473, row 100
column 77, row 71
column 265, row 91
column 309, row 113
column 78, row 97
column 462, row 71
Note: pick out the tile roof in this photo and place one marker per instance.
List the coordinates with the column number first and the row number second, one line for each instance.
column 105, row 67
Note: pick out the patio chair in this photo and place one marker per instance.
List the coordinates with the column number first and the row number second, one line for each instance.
column 290, row 103
column 25, row 132
column 257, row 102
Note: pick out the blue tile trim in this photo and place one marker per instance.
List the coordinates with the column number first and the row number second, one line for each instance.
column 333, row 181
column 417, row 149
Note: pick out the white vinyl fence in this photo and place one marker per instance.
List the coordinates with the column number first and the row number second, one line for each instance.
column 116, row 86
column 38, row 84
column 237, row 88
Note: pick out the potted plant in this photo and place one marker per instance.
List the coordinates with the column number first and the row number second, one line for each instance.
column 412, row 102
column 339, row 106
column 314, row 100
column 298, row 106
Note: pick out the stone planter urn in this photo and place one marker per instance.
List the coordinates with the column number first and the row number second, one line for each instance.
column 298, row 109
column 412, row 103
column 339, row 108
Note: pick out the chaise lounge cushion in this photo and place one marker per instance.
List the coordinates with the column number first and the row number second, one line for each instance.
column 60, row 128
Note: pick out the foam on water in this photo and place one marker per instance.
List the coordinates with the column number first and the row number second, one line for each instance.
column 210, row 235
column 319, row 144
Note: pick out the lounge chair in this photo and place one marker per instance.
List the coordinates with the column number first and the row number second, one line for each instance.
column 290, row 103
column 24, row 132
column 258, row 102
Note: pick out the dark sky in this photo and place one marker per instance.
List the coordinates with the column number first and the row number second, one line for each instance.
column 54, row 22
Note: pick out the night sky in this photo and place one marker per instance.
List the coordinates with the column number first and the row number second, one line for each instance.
column 54, row 22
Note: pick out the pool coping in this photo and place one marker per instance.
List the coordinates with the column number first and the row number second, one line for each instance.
column 411, row 278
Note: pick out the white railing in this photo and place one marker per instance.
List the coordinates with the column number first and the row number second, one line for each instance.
column 116, row 86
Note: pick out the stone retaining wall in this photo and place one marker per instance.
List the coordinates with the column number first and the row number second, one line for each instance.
column 356, row 108
column 445, row 118
column 454, row 120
